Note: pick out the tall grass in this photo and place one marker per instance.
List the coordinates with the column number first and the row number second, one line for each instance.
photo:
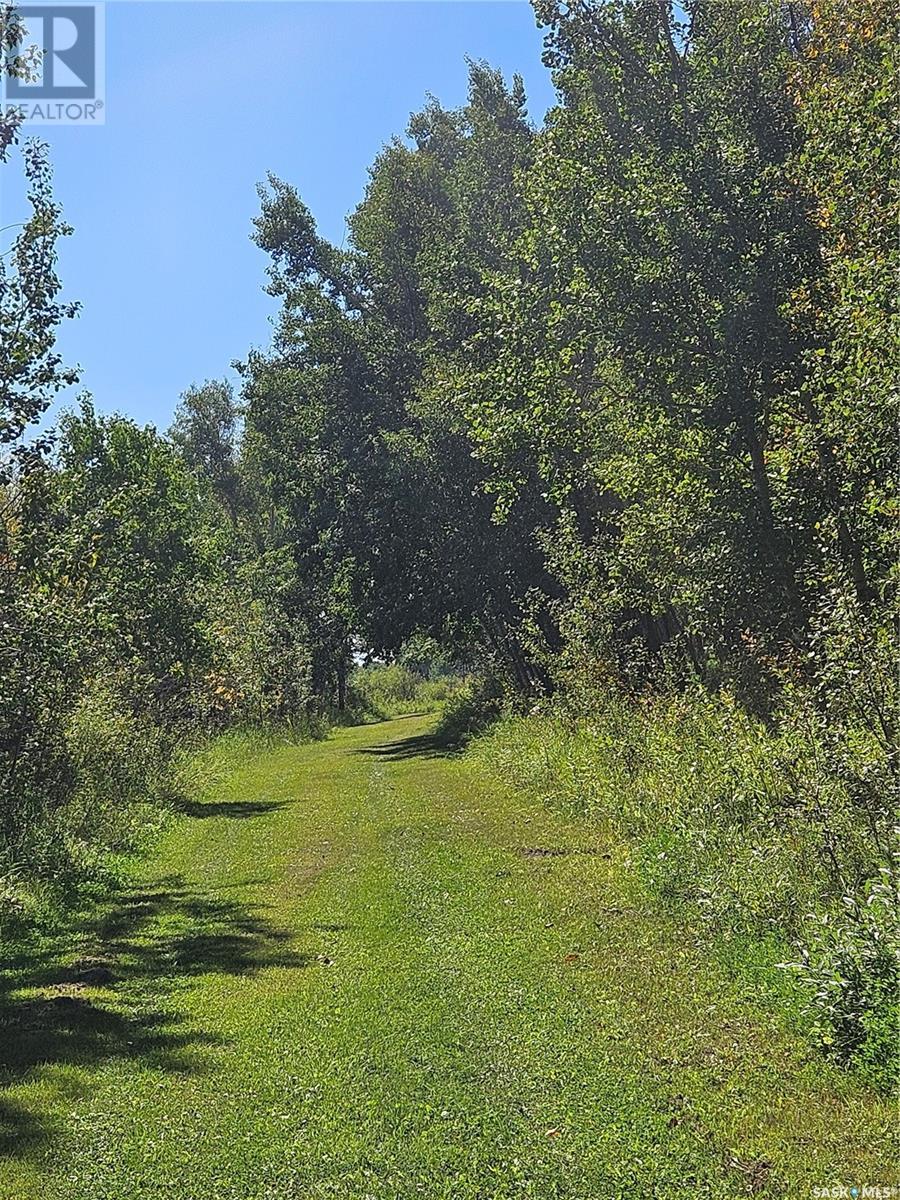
column 750, row 825
column 385, row 690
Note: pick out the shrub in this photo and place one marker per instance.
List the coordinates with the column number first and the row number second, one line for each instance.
column 470, row 711
column 118, row 779
column 849, row 964
column 123, row 775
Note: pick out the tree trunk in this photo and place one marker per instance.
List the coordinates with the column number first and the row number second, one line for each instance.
column 851, row 553
column 760, row 474
column 342, row 682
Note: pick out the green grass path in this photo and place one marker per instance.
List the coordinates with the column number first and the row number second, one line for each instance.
column 360, row 971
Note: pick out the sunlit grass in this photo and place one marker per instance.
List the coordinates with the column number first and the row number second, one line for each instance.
column 358, row 970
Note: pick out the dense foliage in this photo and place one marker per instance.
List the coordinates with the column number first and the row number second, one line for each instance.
column 604, row 407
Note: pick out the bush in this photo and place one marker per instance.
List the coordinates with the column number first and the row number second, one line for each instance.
column 849, row 963
column 123, row 776
column 470, row 711
column 118, row 779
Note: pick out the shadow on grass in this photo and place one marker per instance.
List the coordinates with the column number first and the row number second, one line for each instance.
column 116, row 1001
column 19, row 1130
column 423, row 745
column 229, row 808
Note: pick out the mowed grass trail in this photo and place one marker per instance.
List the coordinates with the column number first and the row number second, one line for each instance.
column 361, row 972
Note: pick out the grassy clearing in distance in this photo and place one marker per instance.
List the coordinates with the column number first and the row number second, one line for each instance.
column 390, row 690
column 360, row 970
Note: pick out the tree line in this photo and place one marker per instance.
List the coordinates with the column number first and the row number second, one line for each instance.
column 612, row 395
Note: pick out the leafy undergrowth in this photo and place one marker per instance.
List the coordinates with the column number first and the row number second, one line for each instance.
column 754, row 831
column 357, row 969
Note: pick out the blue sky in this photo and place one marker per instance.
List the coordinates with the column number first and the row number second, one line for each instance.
column 203, row 99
